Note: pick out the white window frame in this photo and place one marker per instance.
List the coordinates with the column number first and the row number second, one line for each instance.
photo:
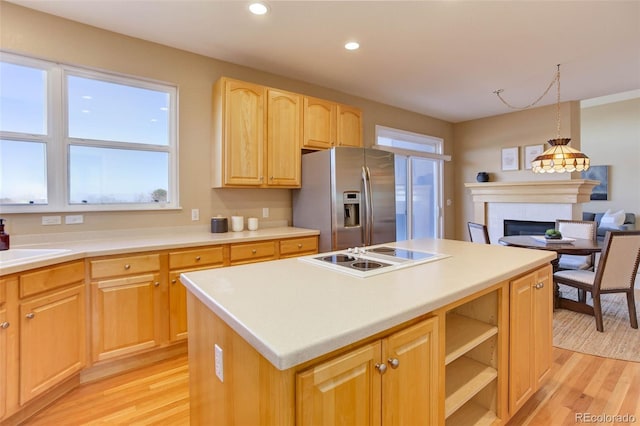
column 57, row 141
column 418, row 139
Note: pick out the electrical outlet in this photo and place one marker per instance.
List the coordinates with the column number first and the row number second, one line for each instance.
column 51, row 220
column 73, row 219
column 219, row 362
column 195, row 214
column 265, row 212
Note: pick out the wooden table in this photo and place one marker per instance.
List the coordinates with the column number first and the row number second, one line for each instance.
column 579, row 247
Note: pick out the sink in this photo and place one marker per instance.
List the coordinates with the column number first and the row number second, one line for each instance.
column 13, row 256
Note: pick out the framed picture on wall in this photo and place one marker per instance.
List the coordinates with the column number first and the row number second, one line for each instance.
column 530, row 153
column 601, row 174
column 510, row 159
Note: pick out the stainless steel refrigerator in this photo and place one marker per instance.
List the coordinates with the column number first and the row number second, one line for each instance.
column 349, row 195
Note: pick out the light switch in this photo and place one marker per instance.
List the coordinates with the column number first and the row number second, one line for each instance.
column 219, row 362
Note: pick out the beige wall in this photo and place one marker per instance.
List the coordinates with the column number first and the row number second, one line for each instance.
column 45, row 36
column 478, row 145
column 611, row 136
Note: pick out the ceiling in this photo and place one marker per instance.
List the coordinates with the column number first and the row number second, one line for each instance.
column 440, row 58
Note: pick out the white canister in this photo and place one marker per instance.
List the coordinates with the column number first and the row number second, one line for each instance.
column 252, row 224
column 237, row 223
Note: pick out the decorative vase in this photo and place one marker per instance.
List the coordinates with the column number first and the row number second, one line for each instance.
column 482, row 177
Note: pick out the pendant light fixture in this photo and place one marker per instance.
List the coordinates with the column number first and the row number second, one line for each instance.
column 560, row 158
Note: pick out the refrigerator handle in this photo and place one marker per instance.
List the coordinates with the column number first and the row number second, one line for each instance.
column 368, row 208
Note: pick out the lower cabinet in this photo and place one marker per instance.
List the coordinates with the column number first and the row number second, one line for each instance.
column 531, row 335
column 52, row 340
column 126, row 315
column 391, row 382
column 4, row 344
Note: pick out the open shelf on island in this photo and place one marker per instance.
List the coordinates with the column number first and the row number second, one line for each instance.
column 464, row 334
column 465, row 378
column 471, row 414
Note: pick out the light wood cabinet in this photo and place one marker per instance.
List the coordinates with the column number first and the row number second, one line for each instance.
column 284, row 138
column 128, row 299
column 349, row 126
column 239, row 124
column 4, row 346
column 293, row 247
column 328, row 124
column 257, row 136
column 256, row 251
column 390, row 382
column 531, row 338
column 185, row 261
column 52, row 340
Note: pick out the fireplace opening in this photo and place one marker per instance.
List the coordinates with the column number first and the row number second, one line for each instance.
column 526, row 227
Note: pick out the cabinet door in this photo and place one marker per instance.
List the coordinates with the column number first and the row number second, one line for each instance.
column 521, row 341
column 244, row 122
column 4, row 325
column 410, row 385
column 284, row 137
column 319, row 123
column 543, row 325
column 126, row 315
column 342, row 391
column 349, row 126
column 177, row 308
column 52, row 340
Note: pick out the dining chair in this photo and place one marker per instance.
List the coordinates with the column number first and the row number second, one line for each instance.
column 615, row 273
column 585, row 229
column 478, row 233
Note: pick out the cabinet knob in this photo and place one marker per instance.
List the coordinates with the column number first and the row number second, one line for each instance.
column 254, row 251
column 271, row 177
column 381, row 368
column 539, row 285
column 30, row 315
column 173, row 281
column 393, row 362
column 127, row 266
column 197, row 258
column 156, row 284
column 299, row 245
column 4, row 324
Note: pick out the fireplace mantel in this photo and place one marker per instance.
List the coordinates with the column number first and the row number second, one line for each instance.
column 550, row 191
column 532, row 200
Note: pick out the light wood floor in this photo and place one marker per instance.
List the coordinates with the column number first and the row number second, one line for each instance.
column 159, row 394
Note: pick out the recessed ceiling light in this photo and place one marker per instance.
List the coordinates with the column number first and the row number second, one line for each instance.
column 352, row 45
column 258, row 8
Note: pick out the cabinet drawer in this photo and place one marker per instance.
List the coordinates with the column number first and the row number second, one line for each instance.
column 125, row 265
column 197, row 257
column 250, row 252
column 297, row 246
column 51, row 278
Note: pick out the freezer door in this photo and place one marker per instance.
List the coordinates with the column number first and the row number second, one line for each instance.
column 347, row 197
column 381, row 168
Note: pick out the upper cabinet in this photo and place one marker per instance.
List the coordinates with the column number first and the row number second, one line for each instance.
column 328, row 124
column 239, row 128
column 284, row 136
column 257, row 136
column 258, row 133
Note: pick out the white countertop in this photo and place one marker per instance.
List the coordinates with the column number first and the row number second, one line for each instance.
column 81, row 245
column 292, row 311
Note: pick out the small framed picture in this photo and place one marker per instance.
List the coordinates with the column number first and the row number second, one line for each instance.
column 530, row 153
column 510, row 159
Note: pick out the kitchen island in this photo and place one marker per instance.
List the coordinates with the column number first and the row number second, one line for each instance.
column 289, row 342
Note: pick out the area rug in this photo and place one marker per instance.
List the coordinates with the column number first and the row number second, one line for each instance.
column 577, row 332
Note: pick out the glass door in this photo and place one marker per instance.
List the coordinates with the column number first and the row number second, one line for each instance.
column 417, row 198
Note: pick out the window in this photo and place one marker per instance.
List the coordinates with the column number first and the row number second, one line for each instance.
column 77, row 139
